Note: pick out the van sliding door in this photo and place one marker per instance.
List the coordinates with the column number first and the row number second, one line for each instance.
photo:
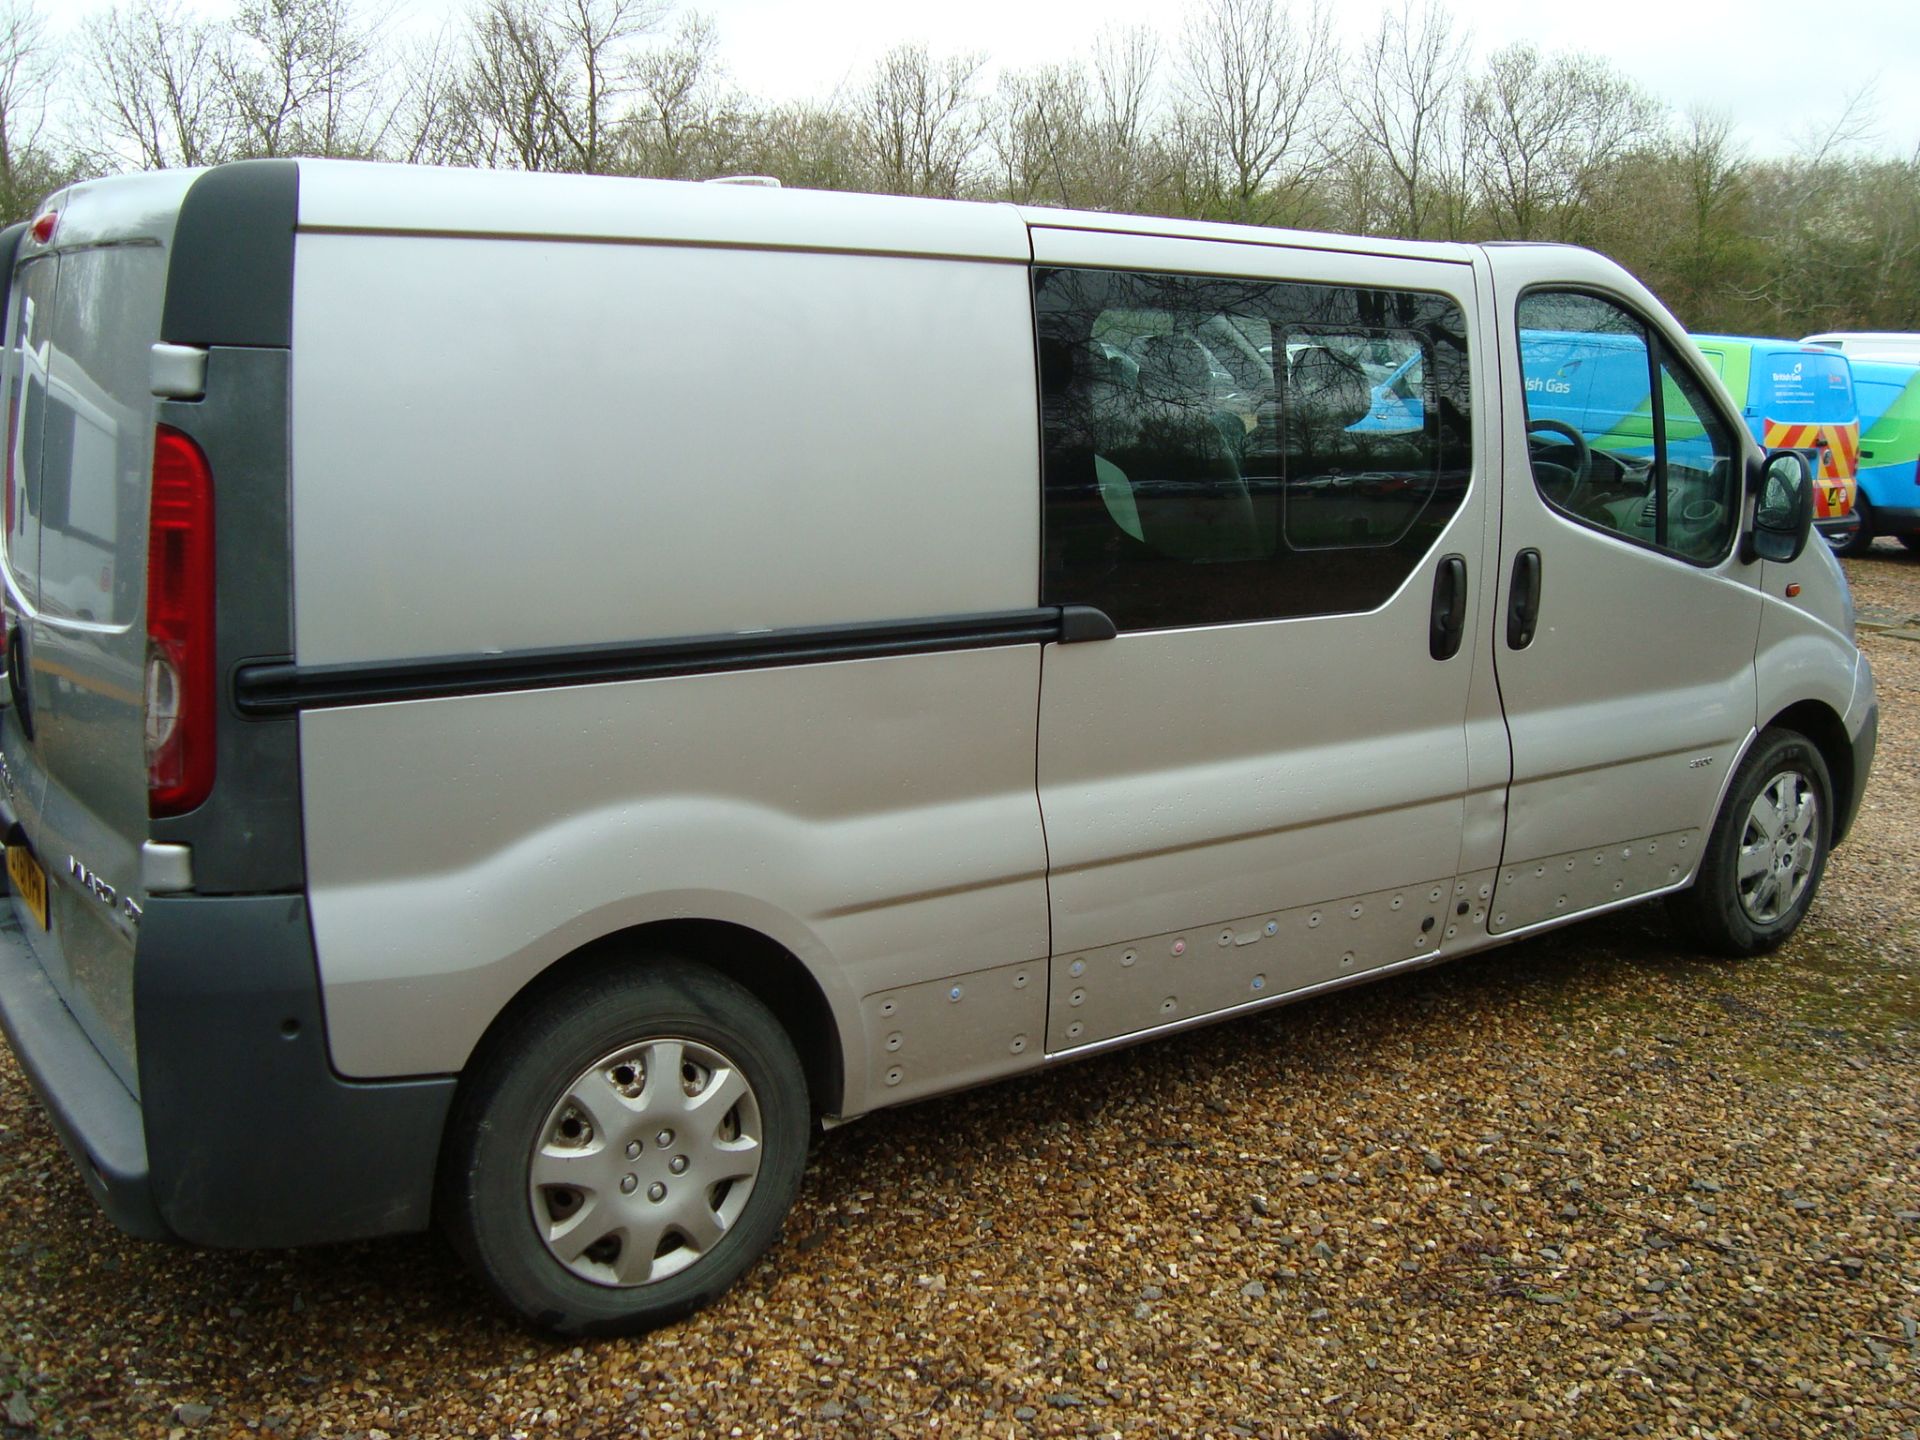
column 1259, row 463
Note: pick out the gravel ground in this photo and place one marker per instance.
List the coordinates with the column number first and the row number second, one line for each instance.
column 1585, row 1185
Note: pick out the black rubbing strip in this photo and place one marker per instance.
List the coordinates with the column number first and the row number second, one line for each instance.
column 278, row 688
column 230, row 281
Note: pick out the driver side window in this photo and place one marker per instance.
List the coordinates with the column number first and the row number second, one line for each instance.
column 1620, row 437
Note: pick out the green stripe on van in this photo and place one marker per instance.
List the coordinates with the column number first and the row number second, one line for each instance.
column 1895, row 436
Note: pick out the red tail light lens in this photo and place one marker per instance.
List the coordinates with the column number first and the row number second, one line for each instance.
column 180, row 654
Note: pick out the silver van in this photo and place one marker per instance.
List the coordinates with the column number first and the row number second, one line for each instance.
column 1899, row 346
column 528, row 693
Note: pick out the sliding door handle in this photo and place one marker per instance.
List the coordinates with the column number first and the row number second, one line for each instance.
column 1448, row 622
column 1523, row 600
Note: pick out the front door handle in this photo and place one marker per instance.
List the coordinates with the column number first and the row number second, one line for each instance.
column 1523, row 600
column 1448, row 622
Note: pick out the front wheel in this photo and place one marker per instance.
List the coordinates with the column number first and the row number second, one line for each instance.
column 625, row 1147
column 1767, row 852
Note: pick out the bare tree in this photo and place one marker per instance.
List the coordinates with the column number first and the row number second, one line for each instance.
column 1400, row 102
column 1543, row 133
column 686, row 119
column 543, row 79
column 1124, row 63
column 816, row 146
column 27, row 66
column 155, row 88
column 426, row 121
column 920, row 120
column 1852, row 126
column 1257, row 86
column 1043, row 137
column 301, row 78
column 1713, row 246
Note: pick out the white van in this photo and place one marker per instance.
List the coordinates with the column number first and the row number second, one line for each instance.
column 1901, row 346
column 586, row 679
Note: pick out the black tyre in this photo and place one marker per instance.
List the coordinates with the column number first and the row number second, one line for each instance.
column 1767, row 852
column 1859, row 540
column 625, row 1147
column 1912, row 542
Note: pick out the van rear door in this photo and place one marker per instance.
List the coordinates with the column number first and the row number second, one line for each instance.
column 1803, row 396
column 28, row 313
column 87, row 306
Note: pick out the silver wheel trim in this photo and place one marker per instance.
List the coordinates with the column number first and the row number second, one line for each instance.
column 645, row 1162
column 1777, row 847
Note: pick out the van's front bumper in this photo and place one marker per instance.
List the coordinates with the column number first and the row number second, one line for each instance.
column 242, row 1135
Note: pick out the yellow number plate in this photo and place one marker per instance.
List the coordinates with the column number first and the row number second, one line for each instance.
column 29, row 881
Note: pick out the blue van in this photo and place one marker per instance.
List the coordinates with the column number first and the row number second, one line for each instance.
column 1889, row 503
column 1799, row 397
column 1594, row 390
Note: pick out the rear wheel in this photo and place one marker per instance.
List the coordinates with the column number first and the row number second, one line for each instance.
column 1859, row 540
column 1912, row 542
column 625, row 1148
column 1767, row 852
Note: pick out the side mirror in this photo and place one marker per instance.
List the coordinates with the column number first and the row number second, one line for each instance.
column 1783, row 516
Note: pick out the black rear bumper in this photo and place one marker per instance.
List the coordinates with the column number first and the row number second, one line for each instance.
column 97, row 1120
column 242, row 1135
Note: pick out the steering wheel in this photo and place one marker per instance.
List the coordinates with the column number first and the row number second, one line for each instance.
column 1577, row 473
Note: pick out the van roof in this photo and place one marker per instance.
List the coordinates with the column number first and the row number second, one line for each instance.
column 1770, row 342
column 346, row 195
column 117, row 208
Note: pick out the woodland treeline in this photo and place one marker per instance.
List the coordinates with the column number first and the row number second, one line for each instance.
column 1246, row 110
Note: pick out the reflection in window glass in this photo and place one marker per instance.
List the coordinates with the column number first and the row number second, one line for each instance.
column 32, row 322
column 1356, row 423
column 1231, row 449
column 1701, row 481
column 1606, row 449
column 98, row 433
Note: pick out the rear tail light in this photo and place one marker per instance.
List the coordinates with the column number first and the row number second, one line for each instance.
column 180, row 638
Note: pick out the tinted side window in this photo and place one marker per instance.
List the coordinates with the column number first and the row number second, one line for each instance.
column 1620, row 436
column 1220, row 450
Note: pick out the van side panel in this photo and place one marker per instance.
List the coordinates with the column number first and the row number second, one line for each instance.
column 553, row 444
column 549, row 445
column 876, row 817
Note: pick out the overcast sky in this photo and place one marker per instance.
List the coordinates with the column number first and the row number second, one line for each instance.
column 1780, row 69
